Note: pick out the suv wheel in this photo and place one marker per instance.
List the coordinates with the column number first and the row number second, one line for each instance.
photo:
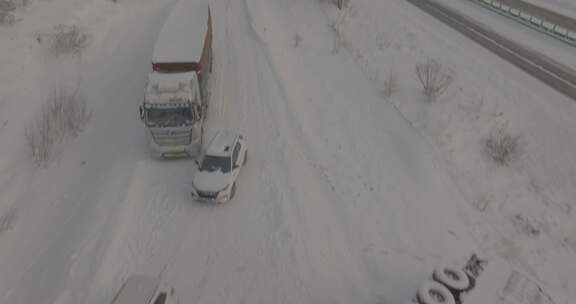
column 233, row 191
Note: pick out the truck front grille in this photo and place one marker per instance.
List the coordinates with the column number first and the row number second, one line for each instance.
column 172, row 138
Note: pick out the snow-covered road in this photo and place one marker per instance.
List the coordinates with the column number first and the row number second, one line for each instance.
column 342, row 201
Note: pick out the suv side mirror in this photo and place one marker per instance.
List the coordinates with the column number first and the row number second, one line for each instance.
column 141, row 113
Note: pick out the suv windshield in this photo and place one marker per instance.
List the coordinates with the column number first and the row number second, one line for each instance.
column 170, row 117
column 215, row 163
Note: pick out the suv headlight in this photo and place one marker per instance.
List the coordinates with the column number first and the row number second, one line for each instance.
column 224, row 189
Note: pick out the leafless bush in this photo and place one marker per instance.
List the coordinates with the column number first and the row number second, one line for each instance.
column 502, row 147
column 6, row 9
column 526, row 226
column 7, row 18
column 390, row 84
column 63, row 116
column 67, row 39
column 296, row 39
column 11, row 5
column 341, row 3
column 340, row 40
column 7, row 5
column 7, row 219
column 433, row 77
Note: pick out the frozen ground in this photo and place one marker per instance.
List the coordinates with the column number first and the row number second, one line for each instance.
column 536, row 191
column 347, row 197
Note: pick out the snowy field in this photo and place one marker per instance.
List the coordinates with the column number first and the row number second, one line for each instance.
column 348, row 196
column 528, row 206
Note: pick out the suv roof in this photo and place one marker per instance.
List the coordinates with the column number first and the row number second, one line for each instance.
column 222, row 143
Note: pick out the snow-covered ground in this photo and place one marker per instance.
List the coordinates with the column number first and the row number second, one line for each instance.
column 537, row 191
column 60, row 219
column 347, row 196
column 564, row 7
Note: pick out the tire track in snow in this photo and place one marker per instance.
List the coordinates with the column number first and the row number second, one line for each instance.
column 286, row 251
column 302, row 152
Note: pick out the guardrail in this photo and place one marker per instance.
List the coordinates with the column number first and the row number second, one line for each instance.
column 534, row 22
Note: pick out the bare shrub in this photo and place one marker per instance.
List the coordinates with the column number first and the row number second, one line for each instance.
column 7, row 219
column 335, row 26
column 390, row 84
column 433, row 77
column 7, row 5
column 63, row 116
column 67, row 39
column 526, row 226
column 341, row 3
column 502, row 147
column 340, row 40
column 296, row 39
column 7, row 18
column 6, row 9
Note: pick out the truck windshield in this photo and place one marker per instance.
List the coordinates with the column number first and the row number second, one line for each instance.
column 169, row 117
column 215, row 163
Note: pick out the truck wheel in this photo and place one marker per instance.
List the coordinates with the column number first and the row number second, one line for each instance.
column 452, row 277
column 211, row 61
column 432, row 292
column 201, row 138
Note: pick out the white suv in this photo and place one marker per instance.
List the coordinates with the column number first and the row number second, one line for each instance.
column 218, row 168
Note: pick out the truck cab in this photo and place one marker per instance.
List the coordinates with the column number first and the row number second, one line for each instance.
column 142, row 289
column 172, row 113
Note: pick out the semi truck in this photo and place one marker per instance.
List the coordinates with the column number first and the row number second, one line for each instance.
column 176, row 97
column 481, row 281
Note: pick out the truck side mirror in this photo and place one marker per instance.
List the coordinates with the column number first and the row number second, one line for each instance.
column 197, row 163
column 141, row 113
column 198, row 112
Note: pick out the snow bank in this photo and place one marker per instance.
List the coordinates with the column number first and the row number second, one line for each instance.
column 56, row 236
column 386, row 183
column 524, row 212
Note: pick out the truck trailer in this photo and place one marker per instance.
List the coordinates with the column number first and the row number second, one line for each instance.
column 176, row 99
